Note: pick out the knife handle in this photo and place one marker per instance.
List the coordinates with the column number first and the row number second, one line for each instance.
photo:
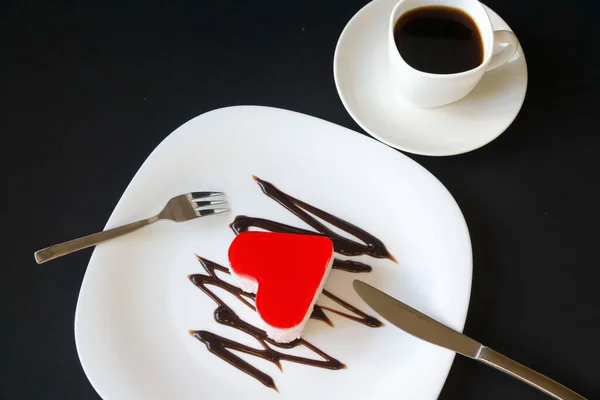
column 527, row 375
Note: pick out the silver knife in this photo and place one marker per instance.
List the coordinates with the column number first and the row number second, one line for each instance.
column 420, row 325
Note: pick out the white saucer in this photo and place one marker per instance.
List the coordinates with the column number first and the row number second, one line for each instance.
column 362, row 81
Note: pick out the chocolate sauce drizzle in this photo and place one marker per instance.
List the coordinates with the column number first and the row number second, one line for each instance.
column 222, row 347
column 242, row 223
column 371, row 245
column 361, row 317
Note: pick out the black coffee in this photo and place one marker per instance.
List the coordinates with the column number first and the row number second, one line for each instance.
column 439, row 40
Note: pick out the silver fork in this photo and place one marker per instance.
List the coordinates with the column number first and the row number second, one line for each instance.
column 179, row 209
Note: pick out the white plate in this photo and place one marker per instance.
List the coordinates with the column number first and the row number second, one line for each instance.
column 362, row 81
column 136, row 303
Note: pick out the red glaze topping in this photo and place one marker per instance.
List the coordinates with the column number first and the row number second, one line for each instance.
column 288, row 268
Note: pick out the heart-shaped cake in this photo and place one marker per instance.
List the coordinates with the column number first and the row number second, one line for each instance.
column 287, row 272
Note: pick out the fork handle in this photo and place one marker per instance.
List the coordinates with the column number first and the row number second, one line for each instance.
column 527, row 375
column 61, row 249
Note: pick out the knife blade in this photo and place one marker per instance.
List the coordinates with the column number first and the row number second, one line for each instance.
column 416, row 323
column 426, row 328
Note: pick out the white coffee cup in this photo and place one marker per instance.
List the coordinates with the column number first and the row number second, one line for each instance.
column 424, row 89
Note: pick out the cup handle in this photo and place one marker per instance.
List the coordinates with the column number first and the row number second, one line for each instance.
column 505, row 54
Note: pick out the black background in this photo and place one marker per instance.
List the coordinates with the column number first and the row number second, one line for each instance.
column 88, row 90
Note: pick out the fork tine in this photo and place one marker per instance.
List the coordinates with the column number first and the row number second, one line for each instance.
column 203, row 195
column 212, row 211
column 200, row 204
